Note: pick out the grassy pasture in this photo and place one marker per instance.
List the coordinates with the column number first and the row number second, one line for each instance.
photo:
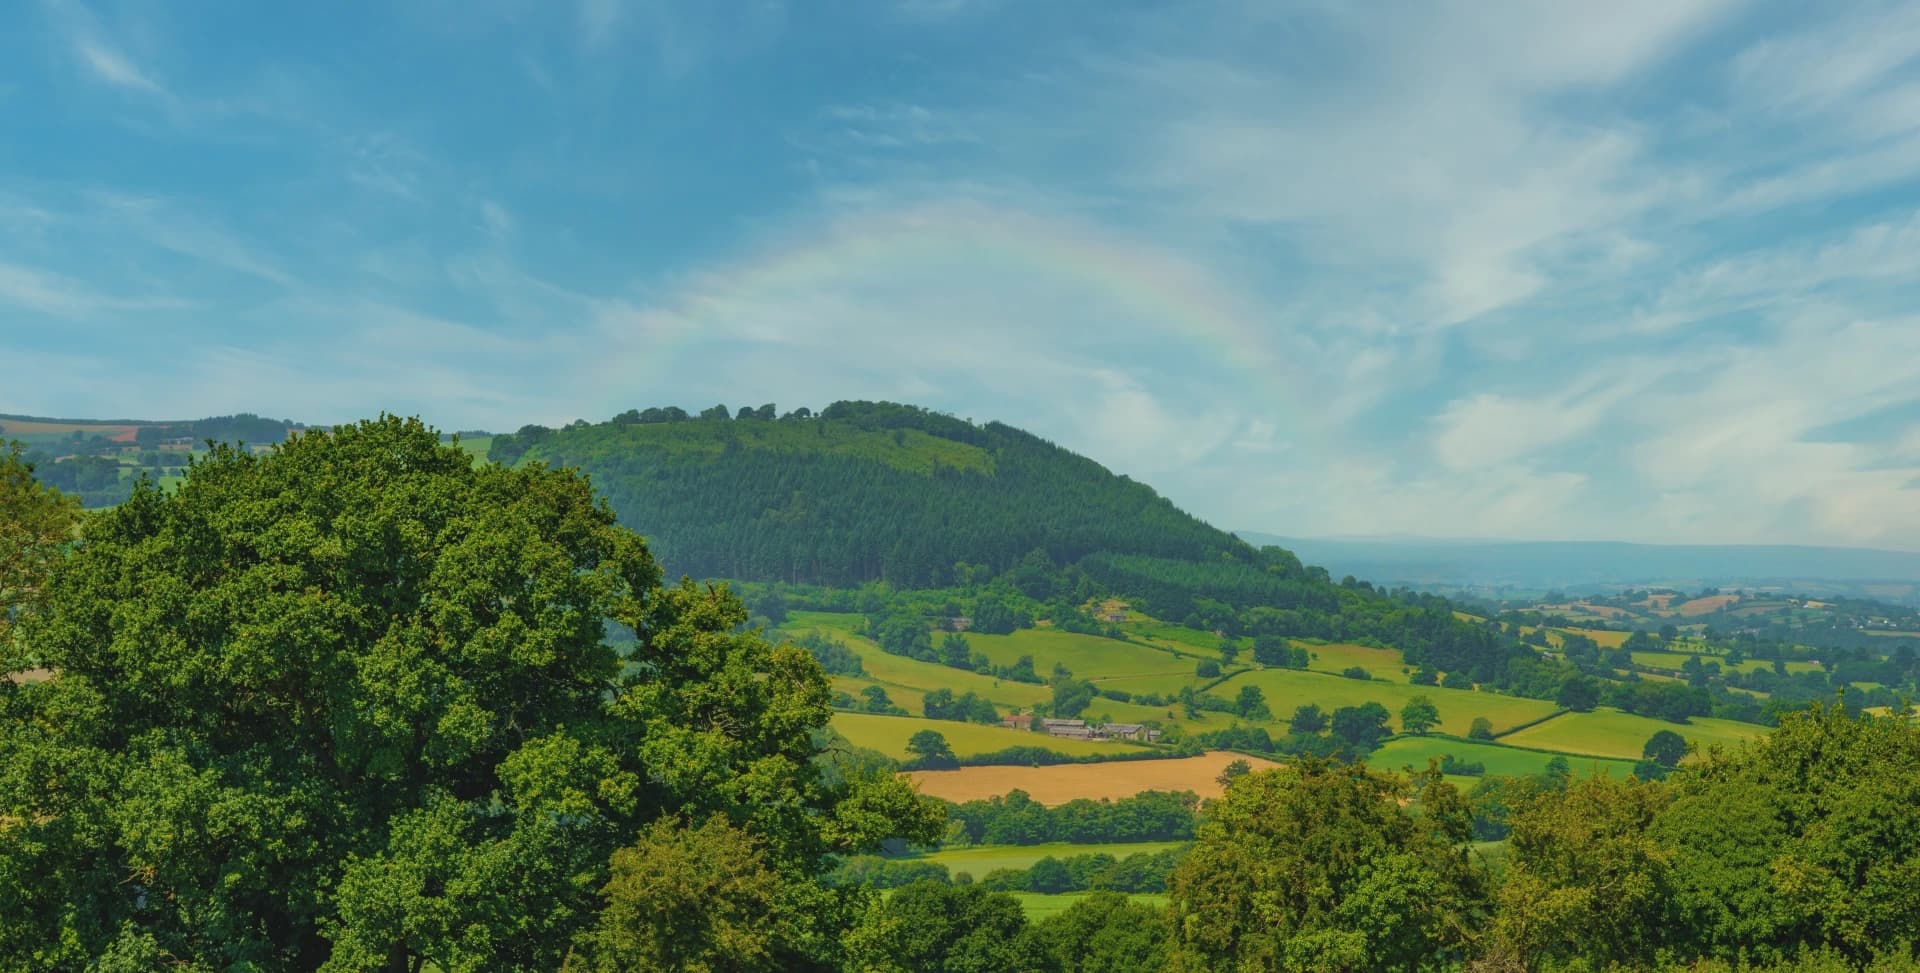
column 1611, row 733
column 1066, row 782
column 1500, row 760
column 889, row 734
column 1287, row 689
column 1674, row 660
column 477, row 446
column 1384, row 664
column 1168, row 635
column 1089, row 656
column 1040, row 906
column 1601, row 637
column 911, row 675
column 978, row 861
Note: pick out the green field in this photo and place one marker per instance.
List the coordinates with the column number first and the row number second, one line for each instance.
column 1286, row 689
column 1337, row 657
column 888, row 734
column 1040, row 906
column 906, row 680
column 986, row 858
column 911, row 675
column 1414, row 752
column 1674, row 660
column 1089, row 656
column 1178, row 638
column 477, row 446
column 1611, row 733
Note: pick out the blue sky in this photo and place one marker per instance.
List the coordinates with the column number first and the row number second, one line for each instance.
column 1638, row 271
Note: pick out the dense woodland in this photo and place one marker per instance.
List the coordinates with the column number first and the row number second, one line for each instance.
column 862, row 491
column 361, row 704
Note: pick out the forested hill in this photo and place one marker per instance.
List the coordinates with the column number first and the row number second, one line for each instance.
column 858, row 492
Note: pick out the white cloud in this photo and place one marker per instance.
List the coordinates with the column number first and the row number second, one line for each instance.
column 113, row 67
column 47, row 293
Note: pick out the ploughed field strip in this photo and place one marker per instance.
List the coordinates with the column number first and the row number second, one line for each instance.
column 1062, row 783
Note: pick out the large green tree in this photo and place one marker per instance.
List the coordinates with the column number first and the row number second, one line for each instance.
column 1105, row 933
column 928, row 927
column 1319, row 866
column 1585, row 882
column 352, row 705
column 36, row 523
column 1809, row 838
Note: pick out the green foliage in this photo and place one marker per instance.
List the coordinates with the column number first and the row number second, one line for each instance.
column 1017, row 819
column 1071, row 696
column 1419, row 715
column 699, row 899
column 1251, row 704
column 351, row 704
column 942, row 704
column 1665, row 748
column 1307, row 719
column 1579, row 694
column 1317, row 866
column 1482, row 729
column 1105, row 933
column 1362, row 727
column 36, row 524
column 1584, row 881
column 1808, row 839
column 934, row 928
column 868, row 490
column 1804, row 844
column 833, row 655
column 930, row 751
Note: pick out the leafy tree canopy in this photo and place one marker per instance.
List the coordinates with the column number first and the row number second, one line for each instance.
column 350, row 705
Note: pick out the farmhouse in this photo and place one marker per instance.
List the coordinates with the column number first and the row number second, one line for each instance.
column 1080, row 730
column 1128, row 731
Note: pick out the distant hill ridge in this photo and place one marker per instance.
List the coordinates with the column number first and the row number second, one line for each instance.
column 860, row 491
column 1577, row 565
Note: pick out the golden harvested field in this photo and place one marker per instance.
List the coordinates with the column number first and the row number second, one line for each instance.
column 1707, row 605
column 121, row 433
column 1601, row 637
column 1063, row 783
column 30, row 675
